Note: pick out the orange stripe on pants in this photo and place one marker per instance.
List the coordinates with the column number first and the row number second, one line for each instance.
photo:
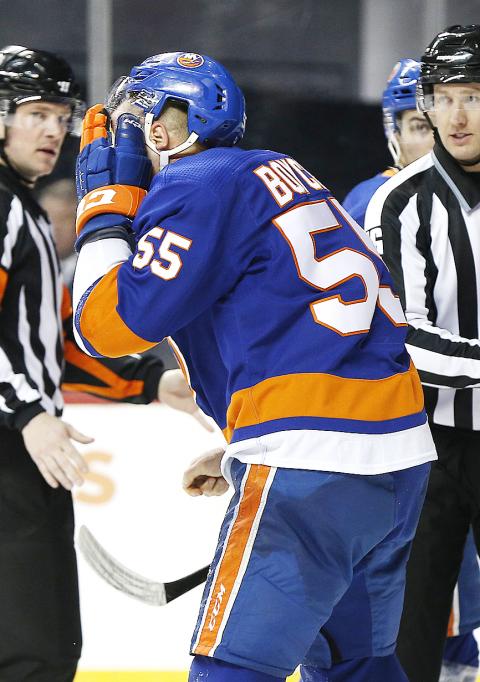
column 232, row 558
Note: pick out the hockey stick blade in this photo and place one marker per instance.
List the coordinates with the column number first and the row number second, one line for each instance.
column 123, row 579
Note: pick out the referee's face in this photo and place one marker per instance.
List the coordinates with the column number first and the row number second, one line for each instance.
column 34, row 137
column 457, row 117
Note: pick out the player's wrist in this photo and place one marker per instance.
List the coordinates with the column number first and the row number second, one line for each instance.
column 105, row 226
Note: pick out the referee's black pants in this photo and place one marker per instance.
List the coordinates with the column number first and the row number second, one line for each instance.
column 40, row 635
column 452, row 504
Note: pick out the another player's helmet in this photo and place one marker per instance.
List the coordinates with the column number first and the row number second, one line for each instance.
column 27, row 75
column 216, row 106
column 398, row 96
column 452, row 57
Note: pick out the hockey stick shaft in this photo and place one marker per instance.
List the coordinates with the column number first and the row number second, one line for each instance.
column 127, row 581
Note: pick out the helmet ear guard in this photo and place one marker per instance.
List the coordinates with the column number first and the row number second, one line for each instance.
column 166, row 154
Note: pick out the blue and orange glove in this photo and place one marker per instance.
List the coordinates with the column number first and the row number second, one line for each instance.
column 112, row 179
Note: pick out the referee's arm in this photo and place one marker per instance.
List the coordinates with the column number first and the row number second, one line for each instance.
column 19, row 397
column 132, row 379
column 443, row 359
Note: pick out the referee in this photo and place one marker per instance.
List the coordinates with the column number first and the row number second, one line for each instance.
column 427, row 220
column 40, row 635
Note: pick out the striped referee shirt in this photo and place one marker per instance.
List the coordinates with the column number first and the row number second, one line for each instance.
column 426, row 222
column 37, row 353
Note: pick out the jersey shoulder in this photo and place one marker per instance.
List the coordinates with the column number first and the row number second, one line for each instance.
column 357, row 199
column 399, row 188
column 213, row 168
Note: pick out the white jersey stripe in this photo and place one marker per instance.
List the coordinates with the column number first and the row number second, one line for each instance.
column 48, row 330
column 32, row 363
column 445, row 290
column 14, row 223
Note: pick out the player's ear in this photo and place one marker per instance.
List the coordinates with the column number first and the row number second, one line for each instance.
column 159, row 135
column 2, row 128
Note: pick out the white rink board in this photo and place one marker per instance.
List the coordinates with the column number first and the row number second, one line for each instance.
column 133, row 503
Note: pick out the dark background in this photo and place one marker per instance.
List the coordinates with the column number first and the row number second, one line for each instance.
column 298, row 64
column 301, row 64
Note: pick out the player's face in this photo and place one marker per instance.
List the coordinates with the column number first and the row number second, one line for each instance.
column 457, row 117
column 415, row 136
column 34, row 137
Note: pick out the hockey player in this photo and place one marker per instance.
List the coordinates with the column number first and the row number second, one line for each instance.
column 409, row 137
column 40, row 634
column 407, row 132
column 426, row 218
column 293, row 341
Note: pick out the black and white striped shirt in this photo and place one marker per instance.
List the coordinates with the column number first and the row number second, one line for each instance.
column 426, row 222
column 37, row 352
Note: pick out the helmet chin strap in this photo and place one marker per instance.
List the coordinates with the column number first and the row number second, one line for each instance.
column 394, row 149
column 167, row 153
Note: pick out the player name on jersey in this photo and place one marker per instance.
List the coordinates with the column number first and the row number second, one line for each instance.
column 286, row 177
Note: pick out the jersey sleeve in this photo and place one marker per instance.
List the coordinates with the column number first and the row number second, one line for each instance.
column 11, row 221
column 188, row 255
column 357, row 200
column 442, row 358
column 20, row 398
column 132, row 379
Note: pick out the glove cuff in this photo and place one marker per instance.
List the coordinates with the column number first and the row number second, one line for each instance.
column 104, row 226
column 120, row 199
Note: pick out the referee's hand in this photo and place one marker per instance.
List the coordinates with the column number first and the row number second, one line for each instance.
column 48, row 440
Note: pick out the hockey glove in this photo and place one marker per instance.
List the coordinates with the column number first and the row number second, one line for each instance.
column 112, row 179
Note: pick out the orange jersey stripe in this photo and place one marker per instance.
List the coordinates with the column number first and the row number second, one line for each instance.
column 3, row 282
column 325, row 395
column 103, row 327
column 116, row 389
column 179, row 358
column 232, row 558
column 66, row 304
column 390, row 172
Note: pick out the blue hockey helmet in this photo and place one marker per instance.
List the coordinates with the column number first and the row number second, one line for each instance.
column 399, row 95
column 215, row 103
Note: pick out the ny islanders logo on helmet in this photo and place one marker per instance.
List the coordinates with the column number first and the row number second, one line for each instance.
column 191, row 60
column 394, row 71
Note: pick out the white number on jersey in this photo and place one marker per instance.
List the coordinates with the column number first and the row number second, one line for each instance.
column 298, row 226
column 146, row 252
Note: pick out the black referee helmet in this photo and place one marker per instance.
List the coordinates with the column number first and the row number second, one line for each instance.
column 27, row 75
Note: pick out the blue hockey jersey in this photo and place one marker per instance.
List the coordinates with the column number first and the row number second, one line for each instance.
column 278, row 306
column 357, row 200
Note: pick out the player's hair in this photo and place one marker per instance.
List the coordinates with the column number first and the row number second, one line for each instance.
column 175, row 117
